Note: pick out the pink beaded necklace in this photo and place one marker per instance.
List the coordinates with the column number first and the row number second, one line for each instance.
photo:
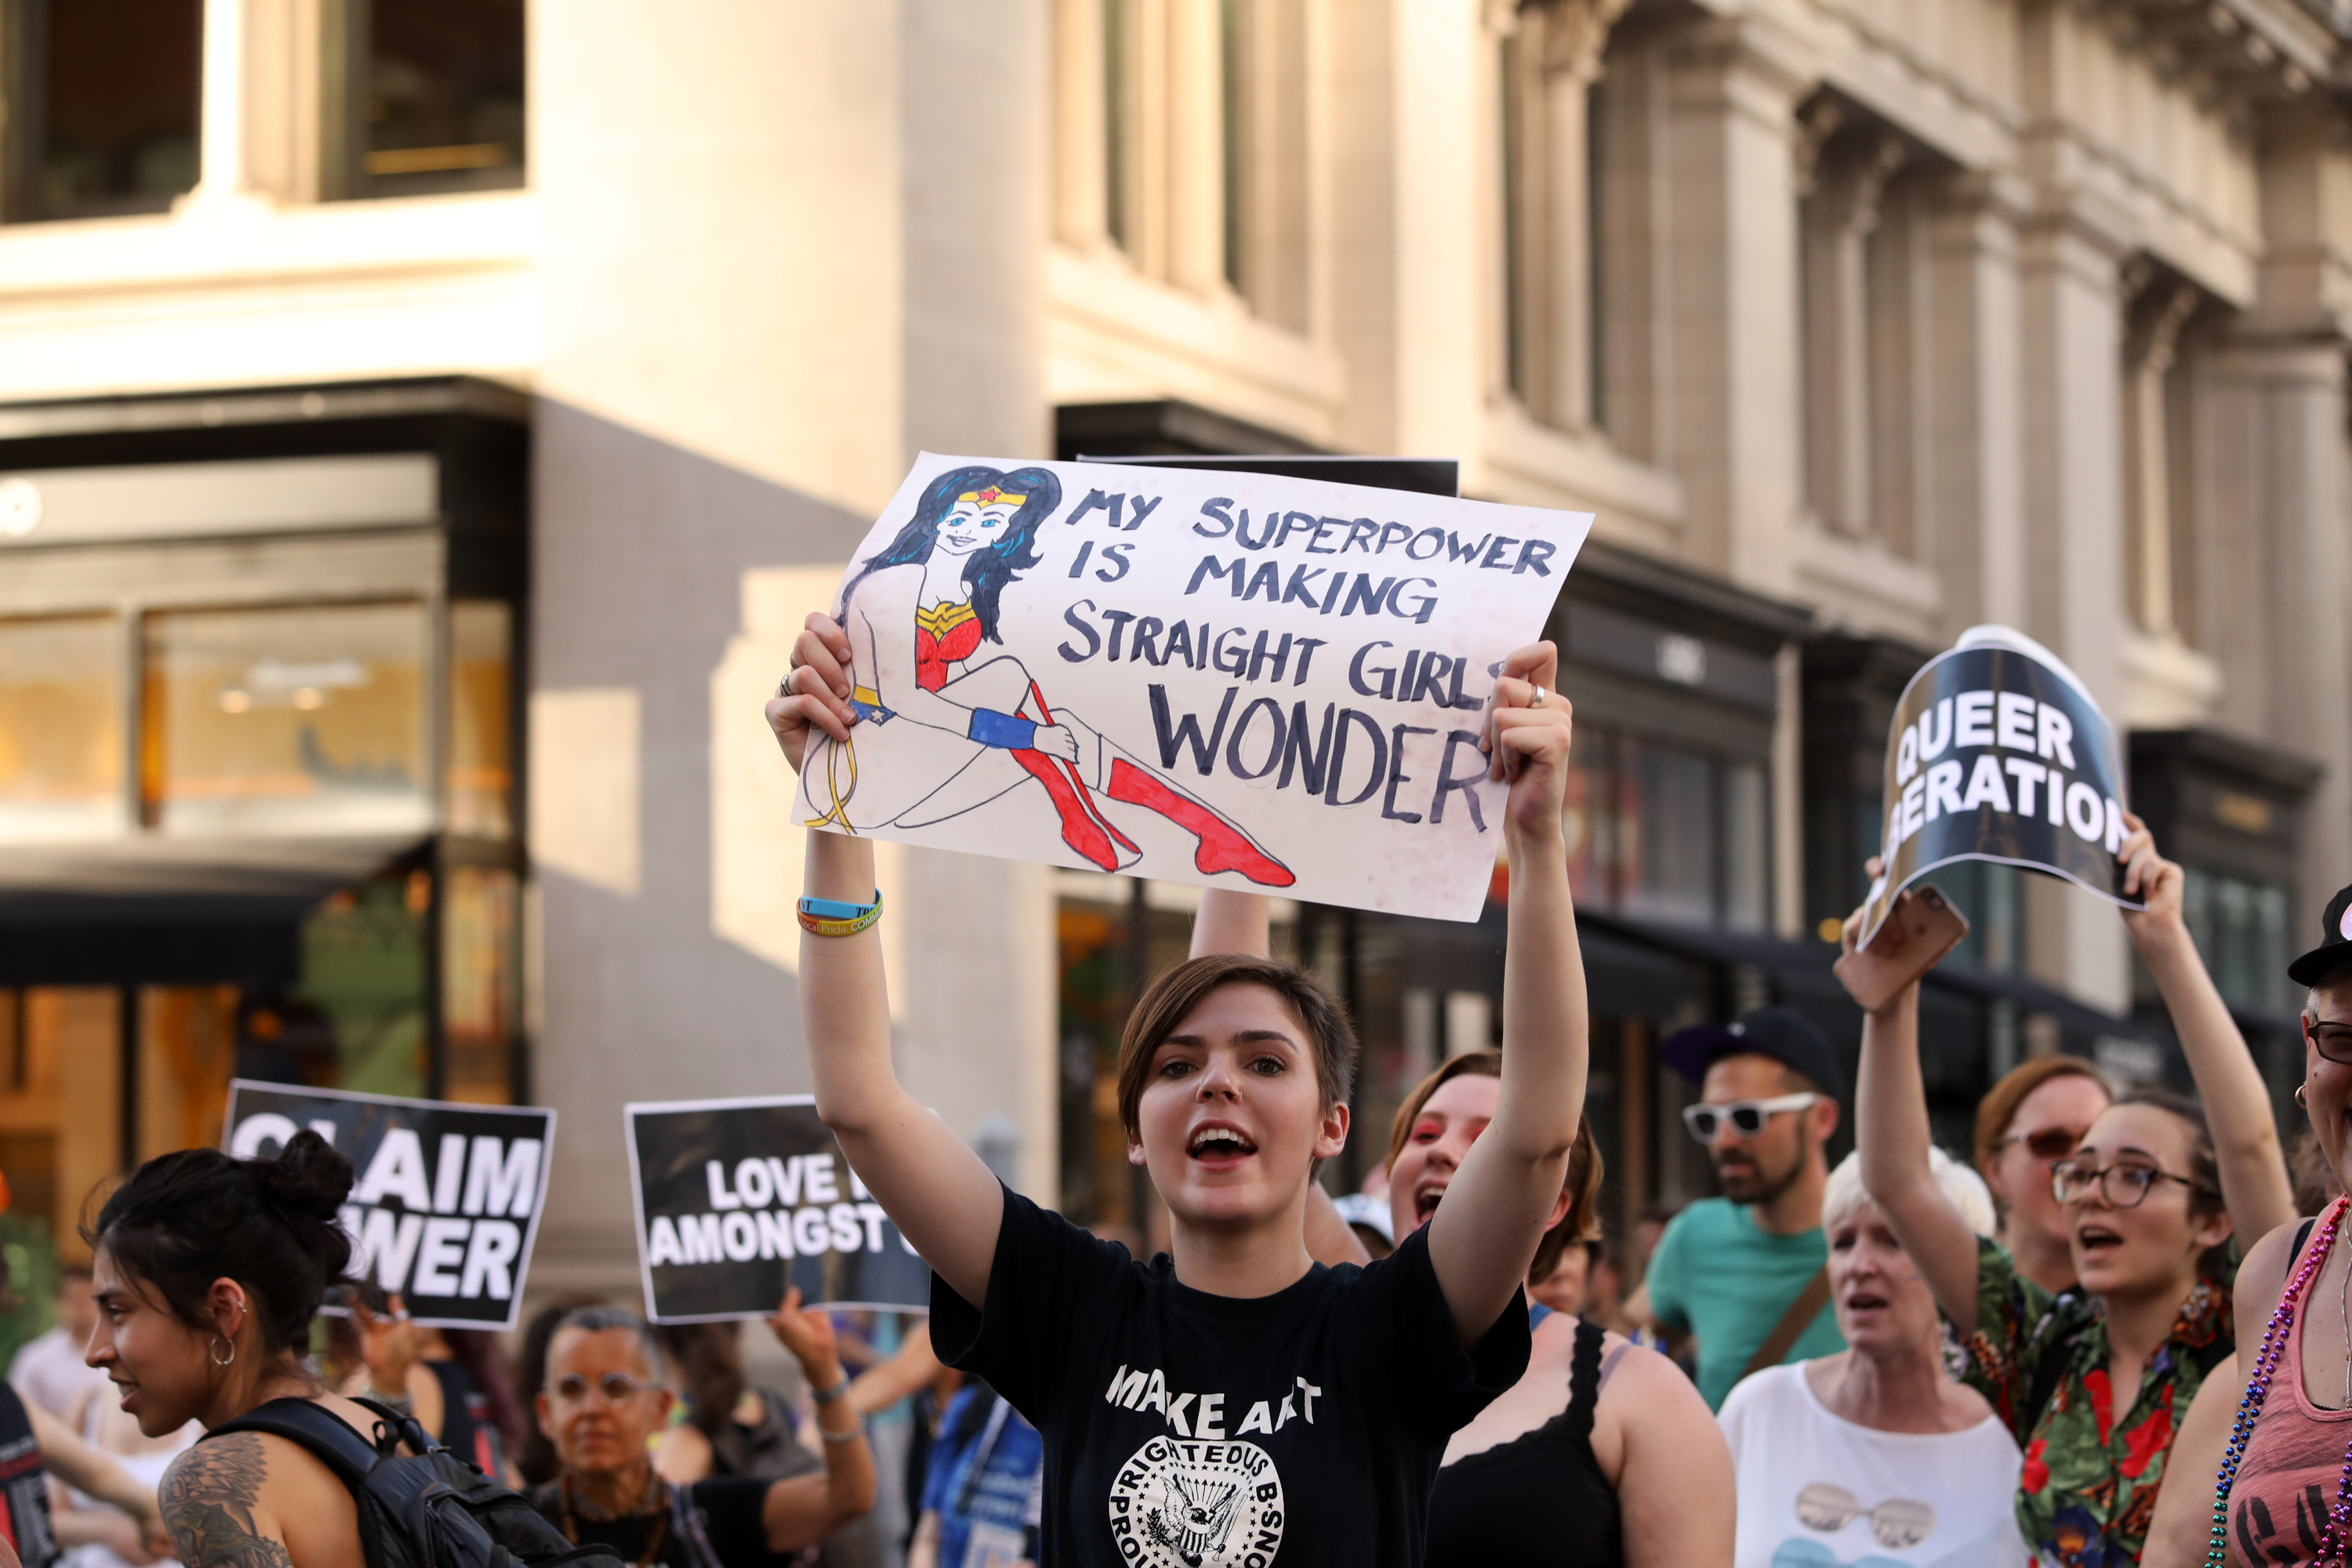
column 2250, row 1408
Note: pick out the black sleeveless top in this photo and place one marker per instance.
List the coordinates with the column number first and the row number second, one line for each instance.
column 1539, row 1499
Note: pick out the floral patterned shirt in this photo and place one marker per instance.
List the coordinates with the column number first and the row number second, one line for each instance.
column 2087, row 1492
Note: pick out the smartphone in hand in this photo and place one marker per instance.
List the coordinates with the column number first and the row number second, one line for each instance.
column 1921, row 928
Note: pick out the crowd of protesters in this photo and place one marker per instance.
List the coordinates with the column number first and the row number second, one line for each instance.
column 2053, row 1357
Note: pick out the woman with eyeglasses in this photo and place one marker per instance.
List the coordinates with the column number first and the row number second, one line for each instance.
column 605, row 1403
column 2095, row 1381
column 2033, row 1117
column 1873, row 1450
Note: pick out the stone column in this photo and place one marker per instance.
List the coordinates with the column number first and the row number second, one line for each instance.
column 977, row 206
column 1978, row 538
column 2280, row 571
column 2072, row 318
column 1080, row 132
column 1732, row 298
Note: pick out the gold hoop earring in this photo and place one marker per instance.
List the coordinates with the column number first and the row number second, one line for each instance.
column 2298, row 1097
column 229, row 1360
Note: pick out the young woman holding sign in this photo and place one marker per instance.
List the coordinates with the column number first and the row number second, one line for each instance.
column 1236, row 1400
column 2096, row 1382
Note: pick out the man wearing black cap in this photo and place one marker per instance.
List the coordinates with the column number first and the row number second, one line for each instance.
column 1747, row 1273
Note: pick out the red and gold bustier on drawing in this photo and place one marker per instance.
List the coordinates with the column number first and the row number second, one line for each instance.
column 944, row 634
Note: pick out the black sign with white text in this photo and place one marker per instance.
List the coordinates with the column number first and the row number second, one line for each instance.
column 1998, row 752
column 448, row 1198
column 738, row 1199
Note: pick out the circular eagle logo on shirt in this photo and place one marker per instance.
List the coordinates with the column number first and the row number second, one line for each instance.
column 1180, row 1503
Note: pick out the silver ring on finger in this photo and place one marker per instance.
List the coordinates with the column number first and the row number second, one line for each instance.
column 785, row 687
column 1538, row 699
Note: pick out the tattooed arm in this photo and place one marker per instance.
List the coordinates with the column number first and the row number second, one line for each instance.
column 209, row 1502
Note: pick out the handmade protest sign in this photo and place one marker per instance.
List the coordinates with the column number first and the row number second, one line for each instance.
column 1998, row 752
column 738, row 1199
column 1242, row 681
column 447, row 1201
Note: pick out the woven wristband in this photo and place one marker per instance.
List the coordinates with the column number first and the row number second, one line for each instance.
column 830, row 917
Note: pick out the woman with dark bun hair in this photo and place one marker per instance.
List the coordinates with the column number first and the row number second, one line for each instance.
column 208, row 1272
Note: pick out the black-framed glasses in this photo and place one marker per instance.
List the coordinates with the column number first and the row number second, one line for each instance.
column 2124, row 1186
column 617, row 1387
column 1747, row 1117
column 2333, row 1041
column 2046, row 1142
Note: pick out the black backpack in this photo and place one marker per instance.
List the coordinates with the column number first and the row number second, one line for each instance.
column 426, row 1509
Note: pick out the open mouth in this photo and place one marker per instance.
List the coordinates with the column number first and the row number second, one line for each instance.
column 1865, row 1301
column 2096, row 1241
column 1219, row 1145
column 1425, row 1199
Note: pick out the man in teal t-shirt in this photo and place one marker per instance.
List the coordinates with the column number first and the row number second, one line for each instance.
column 1731, row 1269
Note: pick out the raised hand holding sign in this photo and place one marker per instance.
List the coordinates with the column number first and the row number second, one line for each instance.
column 1231, row 679
column 1998, row 752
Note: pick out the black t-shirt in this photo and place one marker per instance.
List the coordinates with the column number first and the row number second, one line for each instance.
column 725, row 1513
column 1187, row 1430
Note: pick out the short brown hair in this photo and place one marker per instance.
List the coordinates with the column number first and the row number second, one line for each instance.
column 1170, row 998
column 1582, row 1223
column 1998, row 1109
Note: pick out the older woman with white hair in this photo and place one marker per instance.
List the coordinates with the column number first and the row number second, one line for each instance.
column 1875, row 1454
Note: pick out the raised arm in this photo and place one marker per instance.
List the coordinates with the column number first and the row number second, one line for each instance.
column 1232, row 921
column 1484, row 1237
column 938, row 1192
column 807, row 1509
column 1892, row 1134
column 2254, row 1183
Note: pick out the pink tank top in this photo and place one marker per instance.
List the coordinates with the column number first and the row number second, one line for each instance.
column 2286, row 1483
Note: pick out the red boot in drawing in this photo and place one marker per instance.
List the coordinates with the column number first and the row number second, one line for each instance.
column 1083, row 828
column 1223, row 847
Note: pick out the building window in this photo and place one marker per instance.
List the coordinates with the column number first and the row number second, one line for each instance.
column 104, row 99
column 1199, row 113
column 1665, row 833
column 2158, row 408
column 433, row 98
column 61, row 721
column 308, row 719
column 2240, row 927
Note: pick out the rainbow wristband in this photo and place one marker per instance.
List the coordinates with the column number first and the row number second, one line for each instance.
column 830, row 917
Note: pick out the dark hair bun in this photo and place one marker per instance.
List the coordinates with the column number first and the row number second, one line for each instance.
column 186, row 1218
column 306, row 1181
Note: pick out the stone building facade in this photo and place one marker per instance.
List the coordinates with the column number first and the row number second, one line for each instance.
column 597, row 344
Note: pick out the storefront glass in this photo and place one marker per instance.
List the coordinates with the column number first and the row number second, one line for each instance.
column 299, row 721
column 480, row 982
column 60, row 1131
column 482, row 770
column 61, row 727
column 1666, row 834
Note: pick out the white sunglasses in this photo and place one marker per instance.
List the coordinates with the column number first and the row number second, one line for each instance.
column 1747, row 1116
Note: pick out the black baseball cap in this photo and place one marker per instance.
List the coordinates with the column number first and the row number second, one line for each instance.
column 2334, row 952
column 1785, row 1035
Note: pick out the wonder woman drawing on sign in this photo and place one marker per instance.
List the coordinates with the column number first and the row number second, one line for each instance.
column 945, row 726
